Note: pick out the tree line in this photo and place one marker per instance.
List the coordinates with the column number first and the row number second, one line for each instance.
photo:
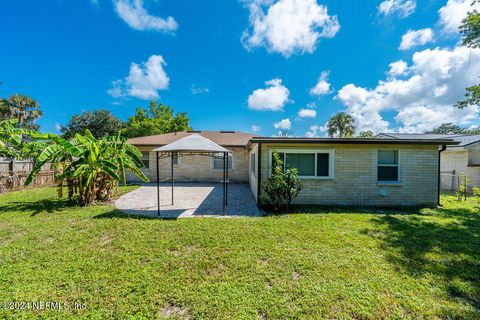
column 157, row 118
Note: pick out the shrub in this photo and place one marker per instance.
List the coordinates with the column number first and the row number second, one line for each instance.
column 283, row 185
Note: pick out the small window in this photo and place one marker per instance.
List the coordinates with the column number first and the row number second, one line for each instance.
column 146, row 159
column 218, row 162
column 175, row 158
column 388, row 166
column 253, row 164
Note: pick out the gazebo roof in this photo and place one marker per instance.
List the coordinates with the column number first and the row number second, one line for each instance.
column 192, row 143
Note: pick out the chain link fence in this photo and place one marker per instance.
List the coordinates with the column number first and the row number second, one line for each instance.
column 451, row 180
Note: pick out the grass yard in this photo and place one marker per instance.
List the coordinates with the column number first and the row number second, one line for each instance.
column 330, row 263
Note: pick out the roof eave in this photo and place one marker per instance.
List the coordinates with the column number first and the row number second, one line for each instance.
column 354, row 141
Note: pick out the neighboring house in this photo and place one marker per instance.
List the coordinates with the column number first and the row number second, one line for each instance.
column 462, row 159
column 364, row 172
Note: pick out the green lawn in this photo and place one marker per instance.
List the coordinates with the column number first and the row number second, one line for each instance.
column 342, row 263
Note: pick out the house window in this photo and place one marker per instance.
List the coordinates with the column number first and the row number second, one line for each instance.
column 388, row 166
column 175, row 158
column 253, row 164
column 146, row 159
column 310, row 164
column 218, row 161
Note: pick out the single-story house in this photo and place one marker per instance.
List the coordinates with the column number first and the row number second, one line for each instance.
column 462, row 159
column 354, row 171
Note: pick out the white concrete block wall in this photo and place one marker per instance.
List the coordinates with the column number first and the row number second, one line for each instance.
column 355, row 176
column 197, row 168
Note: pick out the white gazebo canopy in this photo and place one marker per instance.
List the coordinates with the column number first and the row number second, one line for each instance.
column 192, row 143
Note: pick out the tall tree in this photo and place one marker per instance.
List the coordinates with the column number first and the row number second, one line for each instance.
column 470, row 30
column 23, row 108
column 450, row 128
column 100, row 123
column 157, row 119
column 341, row 125
column 366, row 134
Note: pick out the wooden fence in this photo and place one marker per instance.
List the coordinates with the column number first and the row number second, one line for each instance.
column 14, row 173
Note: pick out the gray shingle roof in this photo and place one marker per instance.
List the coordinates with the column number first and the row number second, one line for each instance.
column 463, row 139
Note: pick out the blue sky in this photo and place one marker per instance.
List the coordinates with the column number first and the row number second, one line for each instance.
column 245, row 65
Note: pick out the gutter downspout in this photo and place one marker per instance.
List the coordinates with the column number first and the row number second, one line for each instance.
column 259, row 174
column 444, row 147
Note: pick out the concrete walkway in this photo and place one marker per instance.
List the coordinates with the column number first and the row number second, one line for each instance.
column 190, row 200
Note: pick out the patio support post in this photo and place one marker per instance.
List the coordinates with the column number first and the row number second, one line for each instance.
column 171, row 163
column 224, row 182
column 158, row 188
column 228, row 181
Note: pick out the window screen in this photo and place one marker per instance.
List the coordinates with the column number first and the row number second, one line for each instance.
column 308, row 164
column 323, row 163
column 146, row 159
column 218, row 162
column 388, row 165
column 304, row 162
column 175, row 158
column 253, row 164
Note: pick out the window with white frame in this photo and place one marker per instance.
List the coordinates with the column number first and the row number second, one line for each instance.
column 218, row 161
column 388, row 167
column 309, row 163
column 146, row 159
column 253, row 164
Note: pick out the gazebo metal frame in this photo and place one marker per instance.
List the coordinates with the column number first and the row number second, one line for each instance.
column 169, row 153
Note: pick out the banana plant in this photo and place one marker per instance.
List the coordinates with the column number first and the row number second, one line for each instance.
column 14, row 140
column 90, row 168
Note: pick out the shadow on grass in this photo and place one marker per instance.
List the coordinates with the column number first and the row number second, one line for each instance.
column 39, row 206
column 448, row 249
column 316, row 209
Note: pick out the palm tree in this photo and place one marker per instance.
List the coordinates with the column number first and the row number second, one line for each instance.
column 341, row 125
column 23, row 108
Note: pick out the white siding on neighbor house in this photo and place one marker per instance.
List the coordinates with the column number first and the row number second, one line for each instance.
column 462, row 162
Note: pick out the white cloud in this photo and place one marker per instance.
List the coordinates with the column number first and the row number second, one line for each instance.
column 323, row 86
column 423, row 100
column 403, row 8
column 256, row 128
column 196, row 90
column 415, row 38
column 272, row 98
column 398, row 68
column 452, row 14
column 135, row 15
column 307, row 113
column 58, row 127
column 316, row 131
column 288, row 26
column 284, row 124
column 144, row 81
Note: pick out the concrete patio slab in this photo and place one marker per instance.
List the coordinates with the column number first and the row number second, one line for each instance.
column 190, row 200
